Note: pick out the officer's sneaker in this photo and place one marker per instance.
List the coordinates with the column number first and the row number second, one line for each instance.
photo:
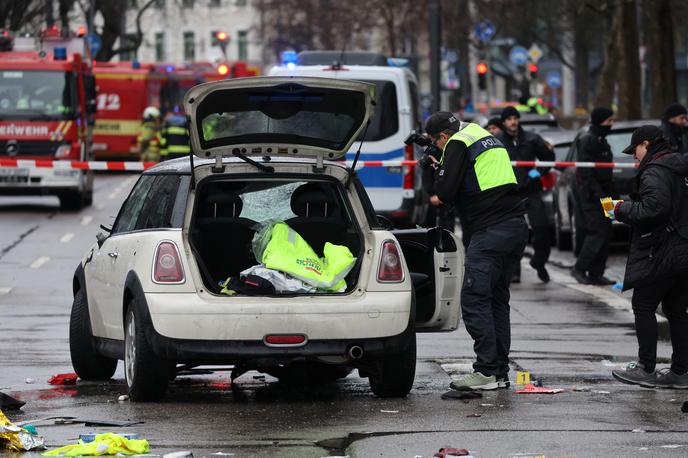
column 666, row 378
column 475, row 381
column 635, row 374
column 580, row 276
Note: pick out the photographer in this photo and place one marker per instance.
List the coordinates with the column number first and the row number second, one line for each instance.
column 428, row 164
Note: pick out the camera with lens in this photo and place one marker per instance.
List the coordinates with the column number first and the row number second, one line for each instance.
column 430, row 149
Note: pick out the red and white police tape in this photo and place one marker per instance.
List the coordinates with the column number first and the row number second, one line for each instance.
column 138, row 166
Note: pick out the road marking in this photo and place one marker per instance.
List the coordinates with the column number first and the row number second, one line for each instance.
column 39, row 262
column 67, row 237
column 4, row 291
column 86, row 220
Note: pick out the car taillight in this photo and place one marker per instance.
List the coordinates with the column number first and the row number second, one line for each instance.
column 409, row 174
column 548, row 180
column 167, row 267
column 390, row 270
column 285, row 339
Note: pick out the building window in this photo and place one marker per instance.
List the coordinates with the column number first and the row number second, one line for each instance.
column 242, row 43
column 159, row 46
column 240, row 2
column 215, row 3
column 189, row 47
column 187, row 3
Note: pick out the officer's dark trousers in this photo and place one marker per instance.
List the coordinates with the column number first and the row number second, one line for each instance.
column 673, row 294
column 598, row 234
column 491, row 258
column 537, row 220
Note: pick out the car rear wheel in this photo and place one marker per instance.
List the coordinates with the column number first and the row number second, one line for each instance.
column 87, row 363
column 147, row 375
column 394, row 375
column 72, row 200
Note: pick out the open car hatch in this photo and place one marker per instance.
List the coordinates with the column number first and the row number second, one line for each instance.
column 278, row 116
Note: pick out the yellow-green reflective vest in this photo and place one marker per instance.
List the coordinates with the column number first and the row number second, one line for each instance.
column 489, row 160
column 288, row 252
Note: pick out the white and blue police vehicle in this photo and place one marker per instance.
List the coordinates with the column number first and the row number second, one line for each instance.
column 395, row 191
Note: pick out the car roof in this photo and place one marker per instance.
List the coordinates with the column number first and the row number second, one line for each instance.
column 182, row 165
column 558, row 136
column 630, row 124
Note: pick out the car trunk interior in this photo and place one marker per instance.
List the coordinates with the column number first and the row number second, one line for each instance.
column 229, row 212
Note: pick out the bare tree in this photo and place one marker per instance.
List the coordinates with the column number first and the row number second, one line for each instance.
column 16, row 14
column 629, row 61
column 659, row 39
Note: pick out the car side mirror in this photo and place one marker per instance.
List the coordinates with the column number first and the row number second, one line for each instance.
column 101, row 238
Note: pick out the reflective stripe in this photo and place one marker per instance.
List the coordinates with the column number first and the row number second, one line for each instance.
column 172, row 130
column 489, row 159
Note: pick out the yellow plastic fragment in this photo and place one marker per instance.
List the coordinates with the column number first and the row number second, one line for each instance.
column 16, row 438
column 103, row 444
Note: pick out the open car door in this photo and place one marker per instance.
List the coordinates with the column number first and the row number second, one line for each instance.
column 435, row 259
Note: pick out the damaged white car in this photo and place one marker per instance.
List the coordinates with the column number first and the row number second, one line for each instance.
column 195, row 271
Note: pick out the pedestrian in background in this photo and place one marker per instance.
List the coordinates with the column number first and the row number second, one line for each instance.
column 476, row 175
column 591, row 185
column 494, row 126
column 523, row 145
column 149, row 138
column 675, row 127
column 657, row 266
column 174, row 136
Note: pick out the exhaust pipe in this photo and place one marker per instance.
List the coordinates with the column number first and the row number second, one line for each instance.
column 355, row 352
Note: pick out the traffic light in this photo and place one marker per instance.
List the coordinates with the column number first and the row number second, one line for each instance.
column 533, row 68
column 221, row 39
column 481, row 68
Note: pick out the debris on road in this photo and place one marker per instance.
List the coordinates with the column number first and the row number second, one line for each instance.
column 638, row 430
column 7, row 402
column 182, row 454
column 124, row 397
column 464, row 394
column 18, row 439
column 30, row 381
column 91, row 437
column 538, row 390
column 389, row 411
column 103, row 444
column 473, row 415
column 581, row 388
column 448, row 452
column 63, row 379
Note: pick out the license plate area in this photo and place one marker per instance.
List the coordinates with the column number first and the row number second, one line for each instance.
column 14, row 175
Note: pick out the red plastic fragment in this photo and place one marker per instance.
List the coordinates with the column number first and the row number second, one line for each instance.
column 63, row 379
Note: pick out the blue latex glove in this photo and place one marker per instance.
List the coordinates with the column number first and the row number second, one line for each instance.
column 533, row 173
column 611, row 215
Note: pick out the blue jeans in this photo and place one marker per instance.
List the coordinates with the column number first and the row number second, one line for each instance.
column 491, row 258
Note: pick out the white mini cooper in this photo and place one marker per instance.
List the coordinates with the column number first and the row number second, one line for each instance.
column 265, row 149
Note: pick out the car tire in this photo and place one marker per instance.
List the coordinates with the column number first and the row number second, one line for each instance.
column 394, row 375
column 72, row 200
column 87, row 363
column 147, row 375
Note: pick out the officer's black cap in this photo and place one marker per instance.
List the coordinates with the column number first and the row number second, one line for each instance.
column 440, row 121
column 642, row 134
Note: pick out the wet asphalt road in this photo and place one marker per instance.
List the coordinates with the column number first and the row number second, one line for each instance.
column 565, row 334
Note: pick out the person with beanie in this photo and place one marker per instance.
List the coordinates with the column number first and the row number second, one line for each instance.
column 494, row 126
column 657, row 266
column 675, row 127
column 524, row 145
column 591, row 185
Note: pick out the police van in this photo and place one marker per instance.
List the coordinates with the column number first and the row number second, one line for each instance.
column 395, row 191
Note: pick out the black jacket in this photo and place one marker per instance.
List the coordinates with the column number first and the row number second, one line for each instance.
column 592, row 183
column 676, row 136
column 527, row 146
column 658, row 216
column 428, row 173
column 477, row 209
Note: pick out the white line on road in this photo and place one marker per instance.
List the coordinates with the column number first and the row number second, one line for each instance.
column 4, row 291
column 86, row 220
column 39, row 262
column 67, row 237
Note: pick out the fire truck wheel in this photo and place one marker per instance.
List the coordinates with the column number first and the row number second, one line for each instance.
column 72, row 200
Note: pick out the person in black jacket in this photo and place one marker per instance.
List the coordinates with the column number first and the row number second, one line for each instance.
column 591, row 185
column 675, row 127
column 443, row 215
column 529, row 146
column 657, row 266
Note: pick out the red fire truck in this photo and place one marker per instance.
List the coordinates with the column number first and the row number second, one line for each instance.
column 125, row 89
column 46, row 112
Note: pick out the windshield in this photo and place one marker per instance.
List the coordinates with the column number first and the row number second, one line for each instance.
column 289, row 113
column 36, row 95
column 618, row 141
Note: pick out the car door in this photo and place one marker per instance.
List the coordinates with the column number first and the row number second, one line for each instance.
column 107, row 271
column 435, row 259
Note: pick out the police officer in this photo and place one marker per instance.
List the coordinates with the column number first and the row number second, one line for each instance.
column 591, row 185
column 657, row 267
column 149, row 138
column 675, row 127
column 529, row 146
column 476, row 174
column 175, row 137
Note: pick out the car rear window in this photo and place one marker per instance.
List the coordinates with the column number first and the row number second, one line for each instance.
column 385, row 120
column 618, row 141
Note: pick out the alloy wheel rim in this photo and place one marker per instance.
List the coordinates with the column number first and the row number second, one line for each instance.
column 130, row 349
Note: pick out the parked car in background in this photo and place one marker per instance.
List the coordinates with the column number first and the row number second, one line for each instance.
column 560, row 140
column 567, row 231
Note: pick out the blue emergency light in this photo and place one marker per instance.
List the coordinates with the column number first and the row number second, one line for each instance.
column 289, row 58
column 60, row 53
column 135, row 64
